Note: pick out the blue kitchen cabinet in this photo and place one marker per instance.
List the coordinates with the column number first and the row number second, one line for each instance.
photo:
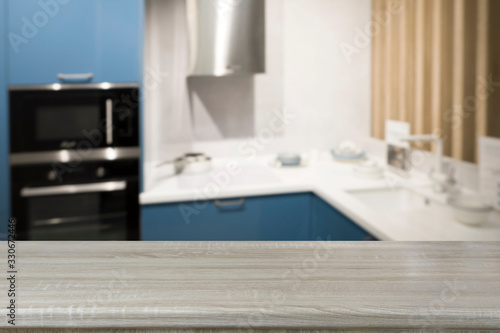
column 269, row 218
column 4, row 128
column 85, row 41
column 327, row 223
column 291, row 217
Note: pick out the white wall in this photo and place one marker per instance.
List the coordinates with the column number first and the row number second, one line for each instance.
column 165, row 92
column 330, row 96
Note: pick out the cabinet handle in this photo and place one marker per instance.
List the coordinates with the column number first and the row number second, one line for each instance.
column 75, row 77
column 230, row 203
column 109, row 121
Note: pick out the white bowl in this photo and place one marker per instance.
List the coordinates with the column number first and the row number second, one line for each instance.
column 470, row 209
column 348, row 148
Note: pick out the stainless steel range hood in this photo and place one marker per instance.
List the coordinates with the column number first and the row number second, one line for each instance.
column 227, row 37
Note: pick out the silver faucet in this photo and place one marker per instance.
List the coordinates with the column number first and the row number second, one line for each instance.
column 441, row 182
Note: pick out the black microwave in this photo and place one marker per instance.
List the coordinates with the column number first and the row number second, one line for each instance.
column 65, row 117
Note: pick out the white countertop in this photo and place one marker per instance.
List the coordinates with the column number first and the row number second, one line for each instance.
column 332, row 182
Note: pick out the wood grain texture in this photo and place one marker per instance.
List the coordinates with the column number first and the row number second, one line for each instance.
column 258, row 285
column 253, row 330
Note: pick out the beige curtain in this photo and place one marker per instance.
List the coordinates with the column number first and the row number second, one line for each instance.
column 436, row 64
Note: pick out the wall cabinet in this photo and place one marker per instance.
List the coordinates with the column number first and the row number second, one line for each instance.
column 291, row 217
column 4, row 129
column 75, row 41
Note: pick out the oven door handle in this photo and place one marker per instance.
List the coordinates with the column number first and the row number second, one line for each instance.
column 109, row 121
column 27, row 192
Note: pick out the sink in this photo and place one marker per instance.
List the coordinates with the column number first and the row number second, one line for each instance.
column 393, row 199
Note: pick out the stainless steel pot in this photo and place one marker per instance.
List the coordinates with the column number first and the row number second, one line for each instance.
column 190, row 163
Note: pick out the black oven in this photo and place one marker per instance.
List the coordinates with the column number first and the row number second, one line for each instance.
column 53, row 117
column 95, row 201
column 75, row 161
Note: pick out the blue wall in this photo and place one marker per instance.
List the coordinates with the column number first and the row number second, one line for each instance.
column 4, row 125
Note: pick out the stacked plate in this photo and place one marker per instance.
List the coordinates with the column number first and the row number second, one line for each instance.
column 348, row 151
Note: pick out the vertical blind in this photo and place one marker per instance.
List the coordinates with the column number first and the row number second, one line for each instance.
column 436, row 64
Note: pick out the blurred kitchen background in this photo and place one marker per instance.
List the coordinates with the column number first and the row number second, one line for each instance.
column 250, row 119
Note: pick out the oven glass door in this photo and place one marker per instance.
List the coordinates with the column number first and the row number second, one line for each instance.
column 77, row 212
column 72, row 119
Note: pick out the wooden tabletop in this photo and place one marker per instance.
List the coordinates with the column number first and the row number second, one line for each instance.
column 257, row 285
